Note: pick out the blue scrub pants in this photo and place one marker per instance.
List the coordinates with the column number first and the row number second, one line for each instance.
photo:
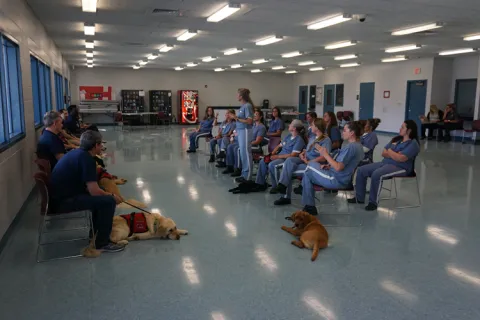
column 232, row 155
column 292, row 167
column 224, row 143
column 377, row 172
column 194, row 136
column 264, row 169
column 314, row 175
column 244, row 144
column 213, row 143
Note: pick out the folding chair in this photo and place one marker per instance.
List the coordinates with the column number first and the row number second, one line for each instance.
column 393, row 187
column 41, row 179
column 44, row 166
column 475, row 128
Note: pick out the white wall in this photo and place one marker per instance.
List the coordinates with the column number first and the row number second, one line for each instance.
column 16, row 163
column 464, row 67
column 391, row 77
column 221, row 86
column 442, row 82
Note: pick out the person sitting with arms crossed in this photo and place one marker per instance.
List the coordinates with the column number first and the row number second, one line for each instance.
column 369, row 140
column 204, row 130
column 336, row 173
column 276, row 125
column 50, row 146
column 291, row 146
column 223, row 136
column 398, row 159
column 74, row 187
column 295, row 167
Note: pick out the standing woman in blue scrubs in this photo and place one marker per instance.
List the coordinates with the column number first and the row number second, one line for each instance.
column 205, row 130
column 337, row 173
column 398, row 161
column 276, row 125
column 244, row 127
column 333, row 131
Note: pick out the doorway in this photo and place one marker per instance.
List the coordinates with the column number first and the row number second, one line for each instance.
column 329, row 98
column 302, row 101
column 465, row 91
column 416, row 99
column 367, row 99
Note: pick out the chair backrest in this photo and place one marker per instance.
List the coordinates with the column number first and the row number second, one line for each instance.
column 44, row 166
column 273, row 143
column 118, row 117
column 41, row 180
column 476, row 125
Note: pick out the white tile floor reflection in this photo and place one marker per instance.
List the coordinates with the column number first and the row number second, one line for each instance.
column 237, row 263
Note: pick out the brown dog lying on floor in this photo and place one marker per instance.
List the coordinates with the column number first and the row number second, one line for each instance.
column 312, row 233
column 139, row 226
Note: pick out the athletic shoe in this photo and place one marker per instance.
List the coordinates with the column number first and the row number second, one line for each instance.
column 355, row 200
column 112, row 247
column 221, row 164
column 282, row 201
column 311, row 210
column 236, row 173
column 298, row 190
column 280, row 188
column 371, row 207
column 191, row 151
column 212, row 158
column 221, row 154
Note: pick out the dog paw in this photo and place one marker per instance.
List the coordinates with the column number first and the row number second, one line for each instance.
column 284, row 228
column 122, row 242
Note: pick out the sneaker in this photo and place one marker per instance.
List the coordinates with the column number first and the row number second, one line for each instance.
column 228, row 170
column 212, row 158
column 282, row 201
column 112, row 247
column 274, row 190
column 191, row 151
column 221, row 164
column 355, row 200
column 260, row 187
column 298, row 190
column 236, row 173
column 311, row 210
column 371, row 207
column 221, row 154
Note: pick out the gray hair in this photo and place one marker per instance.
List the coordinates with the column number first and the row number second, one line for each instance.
column 89, row 139
column 50, row 117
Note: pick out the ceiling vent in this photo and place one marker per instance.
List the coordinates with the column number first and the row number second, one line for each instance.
column 134, row 44
column 170, row 12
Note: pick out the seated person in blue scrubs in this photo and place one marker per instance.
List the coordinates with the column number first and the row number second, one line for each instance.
column 204, row 130
column 223, row 137
column 295, row 167
column 369, row 140
column 73, row 187
column 398, row 160
column 310, row 117
column 291, row 146
column 234, row 163
column 50, row 146
column 336, row 174
column 276, row 125
column 333, row 131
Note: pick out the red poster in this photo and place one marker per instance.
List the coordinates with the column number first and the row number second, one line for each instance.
column 95, row 93
column 188, row 106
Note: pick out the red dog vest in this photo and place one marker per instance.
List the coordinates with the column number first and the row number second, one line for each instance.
column 136, row 222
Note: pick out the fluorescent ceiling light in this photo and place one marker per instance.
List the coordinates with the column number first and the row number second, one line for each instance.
column 403, row 48
column 192, row 64
column 89, row 5
column 256, row 71
column 89, row 54
column 292, row 54
column 89, row 60
column 136, row 67
column 259, row 61
column 269, row 40
column 178, row 68
column 232, row 51
column 329, row 22
column 89, row 44
column 187, row 35
column 90, row 65
column 208, row 59
column 306, row 63
column 89, row 29
column 472, row 37
column 317, row 69
column 290, row 71
column 456, row 51
column 348, row 65
column 153, row 56
column 346, row 57
column 341, row 44
column 223, row 13
column 218, row 69
column 395, row 59
column 166, row 48
column 235, row 66
column 425, row 27
column 278, row 68
column 143, row 62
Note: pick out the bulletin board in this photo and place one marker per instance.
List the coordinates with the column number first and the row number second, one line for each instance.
column 95, row 93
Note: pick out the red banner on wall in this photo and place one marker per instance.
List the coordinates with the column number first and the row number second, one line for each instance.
column 95, row 93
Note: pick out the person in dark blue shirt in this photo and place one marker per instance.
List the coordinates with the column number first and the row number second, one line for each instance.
column 398, row 161
column 73, row 187
column 50, row 146
column 72, row 122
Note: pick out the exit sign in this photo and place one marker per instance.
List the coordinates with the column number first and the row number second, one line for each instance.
column 418, row 70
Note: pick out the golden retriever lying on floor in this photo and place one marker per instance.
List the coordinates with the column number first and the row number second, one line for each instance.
column 155, row 226
column 312, row 233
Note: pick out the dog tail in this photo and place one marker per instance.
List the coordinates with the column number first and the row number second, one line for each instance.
column 90, row 251
column 316, row 248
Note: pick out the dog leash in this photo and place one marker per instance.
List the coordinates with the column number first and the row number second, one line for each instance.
column 145, row 211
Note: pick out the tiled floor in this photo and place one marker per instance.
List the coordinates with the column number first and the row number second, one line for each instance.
column 421, row 263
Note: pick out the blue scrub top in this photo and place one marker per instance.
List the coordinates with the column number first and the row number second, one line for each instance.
column 350, row 155
column 276, row 125
column 313, row 153
column 246, row 111
column 259, row 130
column 50, row 145
column 409, row 148
column 292, row 144
column 227, row 127
column 310, row 133
column 370, row 141
column 335, row 134
column 207, row 124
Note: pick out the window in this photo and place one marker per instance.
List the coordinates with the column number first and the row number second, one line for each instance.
column 67, row 93
column 59, row 91
column 40, row 89
column 48, row 87
column 339, row 95
column 11, row 95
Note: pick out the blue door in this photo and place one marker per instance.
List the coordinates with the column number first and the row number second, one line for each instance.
column 367, row 99
column 416, row 98
column 329, row 98
column 302, row 101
